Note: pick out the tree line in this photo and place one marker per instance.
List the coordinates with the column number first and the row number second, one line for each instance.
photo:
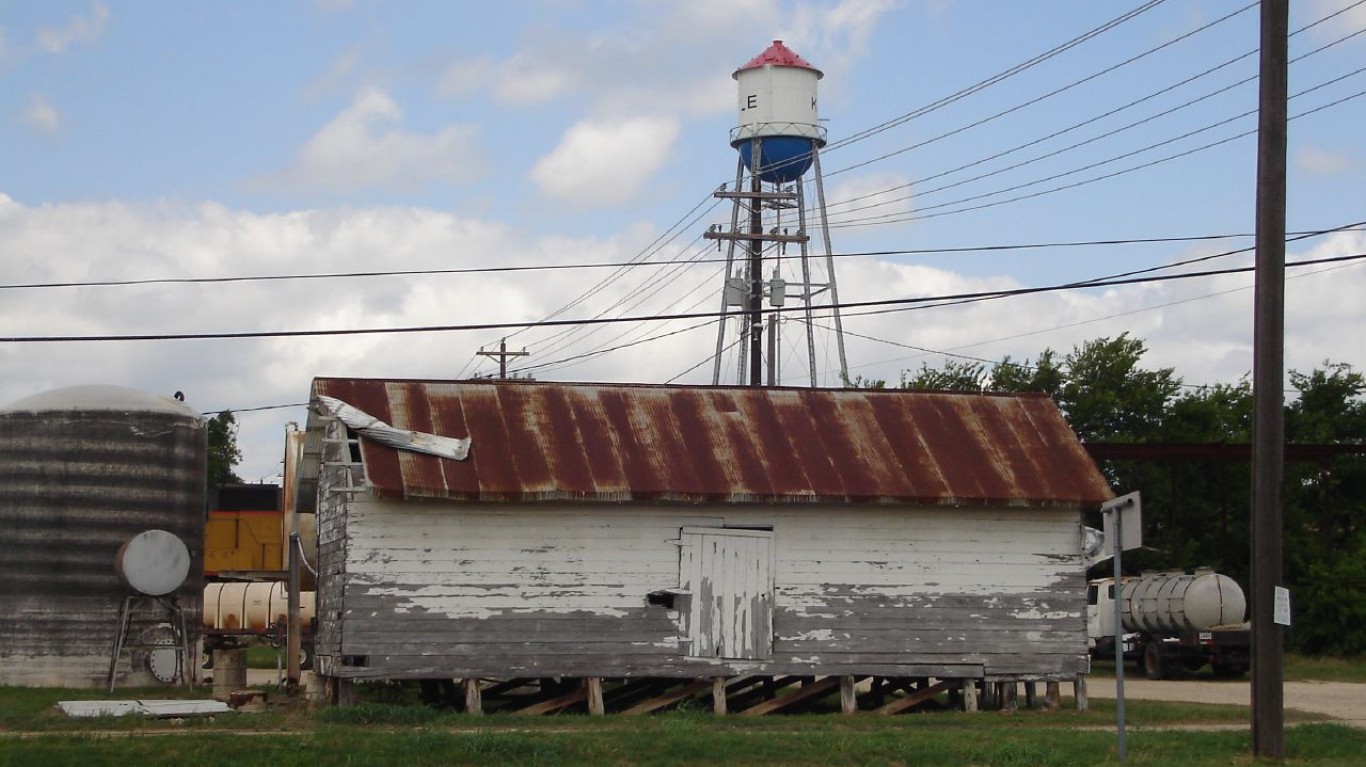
column 1197, row 511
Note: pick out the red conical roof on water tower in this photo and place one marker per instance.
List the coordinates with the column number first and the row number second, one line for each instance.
column 778, row 55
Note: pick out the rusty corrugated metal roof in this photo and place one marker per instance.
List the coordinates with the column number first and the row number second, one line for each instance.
column 536, row 441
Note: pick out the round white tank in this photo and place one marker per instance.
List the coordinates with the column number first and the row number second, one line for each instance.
column 1167, row 603
column 778, row 111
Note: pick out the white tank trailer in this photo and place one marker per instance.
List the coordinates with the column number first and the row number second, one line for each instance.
column 1173, row 621
column 236, row 613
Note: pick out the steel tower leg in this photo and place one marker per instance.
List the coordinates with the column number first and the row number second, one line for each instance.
column 830, row 266
column 725, row 279
column 806, row 284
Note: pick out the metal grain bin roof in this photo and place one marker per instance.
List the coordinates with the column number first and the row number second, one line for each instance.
column 537, row 441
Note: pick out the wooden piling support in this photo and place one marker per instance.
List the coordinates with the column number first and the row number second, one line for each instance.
column 848, row 695
column 718, row 695
column 593, row 689
column 1031, row 694
column 969, row 689
column 1052, row 697
column 1079, row 688
column 474, row 699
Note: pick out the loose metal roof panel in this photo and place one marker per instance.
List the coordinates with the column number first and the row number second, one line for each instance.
column 534, row 441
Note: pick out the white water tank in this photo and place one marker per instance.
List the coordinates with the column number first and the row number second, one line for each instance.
column 778, row 114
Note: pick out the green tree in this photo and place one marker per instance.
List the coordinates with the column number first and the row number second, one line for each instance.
column 954, row 376
column 223, row 451
column 1197, row 513
column 1107, row 396
column 1324, row 509
column 1044, row 375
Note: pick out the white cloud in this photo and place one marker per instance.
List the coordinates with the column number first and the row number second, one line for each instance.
column 524, row 79
column 81, row 29
column 338, row 73
column 601, row 164
column 870, row 196
column 528, row 79
column 362, row 148
column 672, row 59
column 41, row 116
column 1350, row 19
column 1203, row 328
column 1322, row 162
column 466, row 76
column 834, row 37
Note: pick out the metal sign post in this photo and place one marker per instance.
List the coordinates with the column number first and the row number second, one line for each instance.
column 1115, row 540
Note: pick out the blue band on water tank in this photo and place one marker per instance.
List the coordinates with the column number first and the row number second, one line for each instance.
column 784, row 158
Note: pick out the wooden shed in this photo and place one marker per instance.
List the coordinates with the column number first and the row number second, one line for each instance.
column 699, row 534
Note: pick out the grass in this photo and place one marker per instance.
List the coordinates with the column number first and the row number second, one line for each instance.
column 33, row 734
column 1304, row 668
column 688, row 740
column 1298, row 668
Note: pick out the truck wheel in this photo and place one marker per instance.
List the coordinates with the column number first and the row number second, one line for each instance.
column 1154, row 662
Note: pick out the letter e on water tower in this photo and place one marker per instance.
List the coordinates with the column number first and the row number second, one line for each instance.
column 777, row 100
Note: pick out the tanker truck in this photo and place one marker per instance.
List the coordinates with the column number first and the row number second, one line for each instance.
column 1173, row 621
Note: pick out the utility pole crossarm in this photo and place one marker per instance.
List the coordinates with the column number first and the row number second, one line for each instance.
column 502, row 356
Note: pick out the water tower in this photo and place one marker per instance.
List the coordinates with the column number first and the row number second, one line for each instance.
column 778, row 137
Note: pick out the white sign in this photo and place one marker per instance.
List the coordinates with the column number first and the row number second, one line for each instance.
column 1280, row 614
column 1130, row 510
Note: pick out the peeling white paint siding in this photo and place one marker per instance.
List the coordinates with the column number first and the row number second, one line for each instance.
column 449, row 589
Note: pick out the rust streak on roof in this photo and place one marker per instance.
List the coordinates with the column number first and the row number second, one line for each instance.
column 536, row 441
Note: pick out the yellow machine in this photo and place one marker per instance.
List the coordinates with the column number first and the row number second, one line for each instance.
column 243, row 542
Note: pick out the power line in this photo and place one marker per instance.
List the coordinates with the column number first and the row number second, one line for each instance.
column 629, row 264
column 952, row 351
column 897, row 217
column 994, row 79
column 870, row 307
column 1050, row 94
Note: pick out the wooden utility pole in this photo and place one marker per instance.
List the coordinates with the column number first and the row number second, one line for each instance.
column 1268, row 373
column 502, row 356
column 755, row 306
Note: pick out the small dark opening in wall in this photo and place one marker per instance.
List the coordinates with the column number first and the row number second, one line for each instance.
column 665, row 599
column 356, row 661
column 354, row 443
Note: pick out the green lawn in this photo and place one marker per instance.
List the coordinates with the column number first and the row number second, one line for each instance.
column 33, row 734
column 1298, row 668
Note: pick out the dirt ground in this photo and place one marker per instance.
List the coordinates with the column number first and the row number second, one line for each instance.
column 1343, row 701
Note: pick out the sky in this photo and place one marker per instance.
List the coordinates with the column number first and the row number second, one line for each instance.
column 973, row 146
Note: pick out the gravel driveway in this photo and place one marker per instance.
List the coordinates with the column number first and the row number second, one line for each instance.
column 1343, row 701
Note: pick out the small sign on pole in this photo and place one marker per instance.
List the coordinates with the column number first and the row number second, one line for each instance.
column 1123, row 530
column 1280, row 613
column 1128, row 511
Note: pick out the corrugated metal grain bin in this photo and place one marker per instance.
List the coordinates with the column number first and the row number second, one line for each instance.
column 83, row 470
